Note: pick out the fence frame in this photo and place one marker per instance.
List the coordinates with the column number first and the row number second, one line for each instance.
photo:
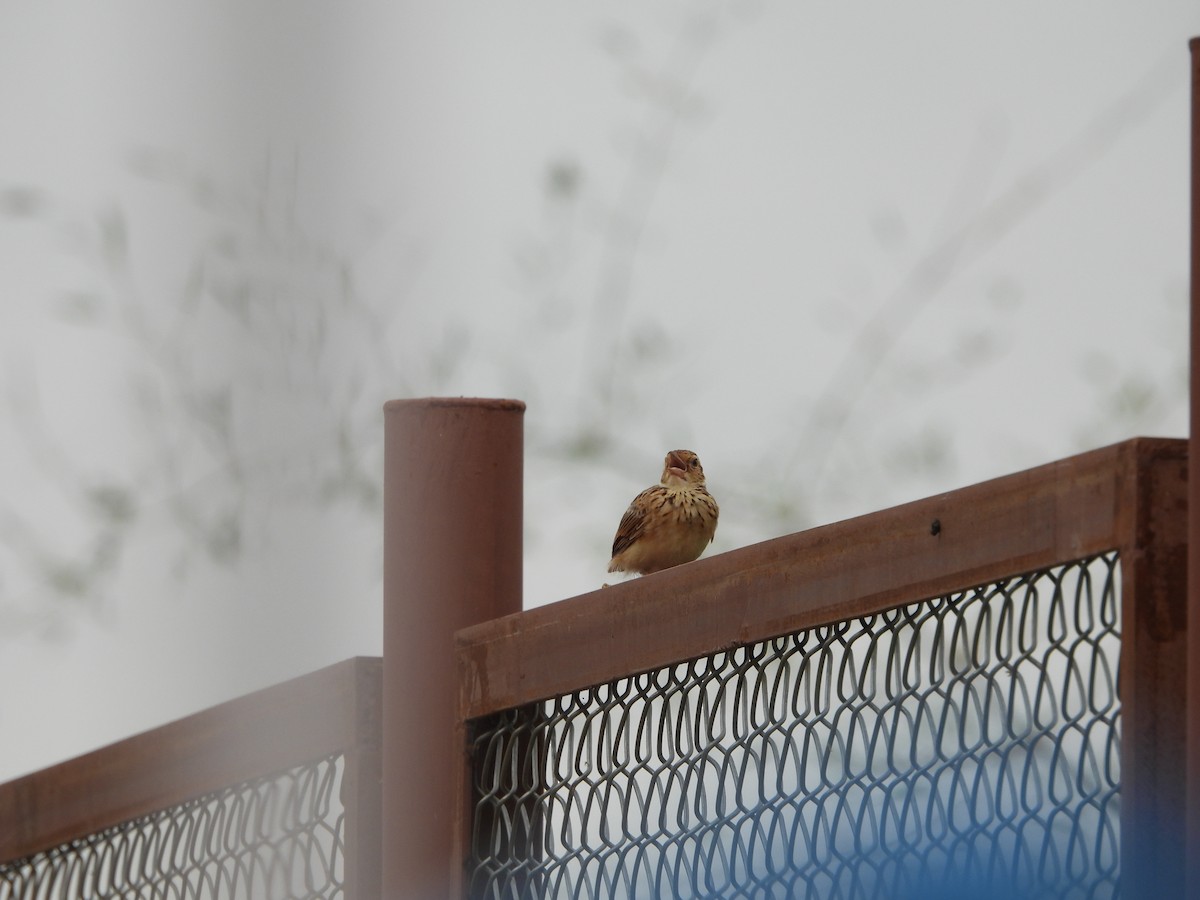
column 332, row 710
column 1129, row 497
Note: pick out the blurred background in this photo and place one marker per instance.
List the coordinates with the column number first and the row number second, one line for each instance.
column 851, row 254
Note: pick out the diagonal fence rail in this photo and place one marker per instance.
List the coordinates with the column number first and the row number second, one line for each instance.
column 979, row 693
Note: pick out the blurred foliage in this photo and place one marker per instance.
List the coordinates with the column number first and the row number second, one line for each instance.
column 246, row 386
column 20, row 202
column 253, row 385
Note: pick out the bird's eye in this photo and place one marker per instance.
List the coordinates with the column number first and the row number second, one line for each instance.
column 695, row 463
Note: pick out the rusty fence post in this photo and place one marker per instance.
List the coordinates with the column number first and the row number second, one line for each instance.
column 453, row 491
column 1193, row 673
column 1153, row 671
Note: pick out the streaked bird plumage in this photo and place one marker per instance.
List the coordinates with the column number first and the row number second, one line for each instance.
column 668, row 524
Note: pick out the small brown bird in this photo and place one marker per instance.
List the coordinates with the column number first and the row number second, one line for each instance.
column 668, row 524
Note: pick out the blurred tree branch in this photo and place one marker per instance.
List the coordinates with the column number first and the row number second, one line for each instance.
column 254, row 387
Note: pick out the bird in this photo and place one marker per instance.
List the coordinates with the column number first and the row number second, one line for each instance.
column 668, row 524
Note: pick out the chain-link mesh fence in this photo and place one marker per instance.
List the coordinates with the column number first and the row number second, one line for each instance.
column 967, row 745
column 279, row 836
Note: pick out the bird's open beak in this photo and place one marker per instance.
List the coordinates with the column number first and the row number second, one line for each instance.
column 676, row 466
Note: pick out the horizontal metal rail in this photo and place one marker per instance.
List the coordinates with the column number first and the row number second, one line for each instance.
column 1054, row 513
column 330, row 711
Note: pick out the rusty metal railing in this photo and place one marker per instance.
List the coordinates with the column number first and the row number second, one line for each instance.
column 925, row 692
column 272, row 795
column 921, row 699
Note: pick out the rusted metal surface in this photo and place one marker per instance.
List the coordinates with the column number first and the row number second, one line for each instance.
column 1130, row 497
column 1193, row 674
column 1153, row 541
column 961, row 746
column 1057, row 512
column 452, row 537
column 319, row 714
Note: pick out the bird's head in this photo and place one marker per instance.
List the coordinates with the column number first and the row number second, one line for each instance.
column 682, row 469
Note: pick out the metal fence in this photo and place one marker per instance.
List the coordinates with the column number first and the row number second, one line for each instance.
column 962, row 744
column 274, row 796
column 978, row 694
column 279, row 837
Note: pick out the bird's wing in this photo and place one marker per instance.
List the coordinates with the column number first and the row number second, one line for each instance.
column 633, row 523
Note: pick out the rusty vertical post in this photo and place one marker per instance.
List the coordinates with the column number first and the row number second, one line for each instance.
column 1153, row 666
column 452, row 558
column 1193, row 675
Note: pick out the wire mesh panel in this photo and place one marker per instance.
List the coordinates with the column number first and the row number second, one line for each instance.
column 275, row 837
column 968, row 743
